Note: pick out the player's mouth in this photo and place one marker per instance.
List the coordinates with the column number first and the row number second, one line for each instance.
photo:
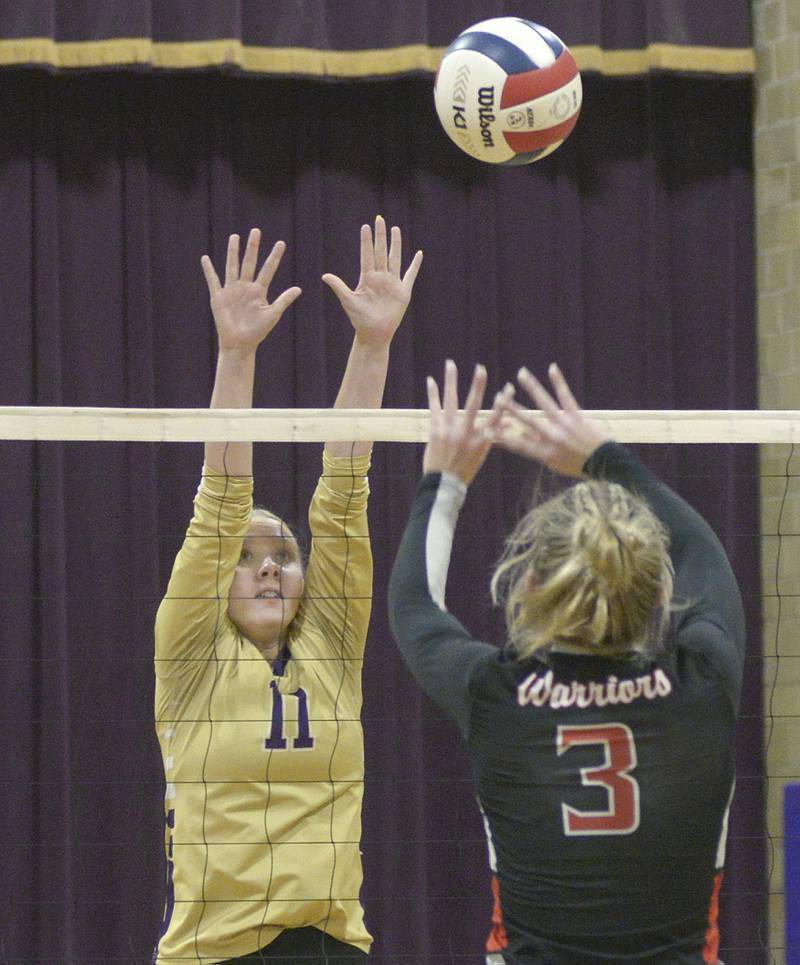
column 269, row 595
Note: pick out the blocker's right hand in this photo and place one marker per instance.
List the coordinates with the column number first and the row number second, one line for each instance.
column 562, row 437
column 242, row 314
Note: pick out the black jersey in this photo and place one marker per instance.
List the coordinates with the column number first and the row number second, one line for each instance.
column 605, row 784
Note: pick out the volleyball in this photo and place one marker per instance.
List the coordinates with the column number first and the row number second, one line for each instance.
column 508, row 91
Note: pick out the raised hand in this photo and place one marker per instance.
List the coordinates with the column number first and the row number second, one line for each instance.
column 562, row 437
column 455, row 443
column 242, row 314
column 377, row 304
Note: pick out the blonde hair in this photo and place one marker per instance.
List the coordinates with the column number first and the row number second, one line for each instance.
column 589, row 567
column 261, row 512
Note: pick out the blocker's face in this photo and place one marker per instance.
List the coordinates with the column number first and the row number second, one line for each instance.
column 268, row 584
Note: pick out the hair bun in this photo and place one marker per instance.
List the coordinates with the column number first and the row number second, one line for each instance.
column 601, row 561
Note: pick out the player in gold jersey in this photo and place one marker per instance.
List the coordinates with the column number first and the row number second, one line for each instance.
column 258, row 659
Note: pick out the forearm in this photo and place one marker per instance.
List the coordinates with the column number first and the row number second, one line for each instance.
column 436, row 647
column 196, row 599
column 233, row 389
column 339, row 570
column 362, row 387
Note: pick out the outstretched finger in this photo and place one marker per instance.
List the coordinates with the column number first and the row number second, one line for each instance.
column 502, row 402
column 497, row 417
column 285, row 299
column 475, row 396
column 434, row 403
column 270, row 265
column 538, row 393
column 450, row 390
column 250, row 255
column 506, row 403
column 411, row 272
column 562, row 389
column 381, row 254
column 212, row 278
column 395, row 251
column 338, row 287
column 367, row 250
column 232, row 260
column 525, row 423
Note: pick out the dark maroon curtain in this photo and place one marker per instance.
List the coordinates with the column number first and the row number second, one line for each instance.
column 627, row 256
column 364, row 24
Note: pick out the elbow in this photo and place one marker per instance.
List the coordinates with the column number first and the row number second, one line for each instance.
column 395, row 613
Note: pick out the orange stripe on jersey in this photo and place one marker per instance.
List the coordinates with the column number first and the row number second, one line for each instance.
column 498, row 939
column 711, row 949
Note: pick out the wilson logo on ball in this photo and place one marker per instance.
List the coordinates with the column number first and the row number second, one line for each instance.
column 496, row 76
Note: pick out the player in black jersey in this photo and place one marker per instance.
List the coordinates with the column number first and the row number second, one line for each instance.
column 602, row 735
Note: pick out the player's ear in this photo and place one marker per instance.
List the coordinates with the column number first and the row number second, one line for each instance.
column 531, row 580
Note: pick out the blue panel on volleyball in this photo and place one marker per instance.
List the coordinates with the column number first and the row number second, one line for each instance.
column 508, row 56
column 547, row 36
column 521, row 159
column 791, row 844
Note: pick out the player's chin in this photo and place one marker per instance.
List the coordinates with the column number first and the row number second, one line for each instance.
column 277, row 605
column 273, row 614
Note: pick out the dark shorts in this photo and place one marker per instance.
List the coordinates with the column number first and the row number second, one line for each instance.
column 310, row 946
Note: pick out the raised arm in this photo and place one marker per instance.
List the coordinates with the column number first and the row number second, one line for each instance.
column 243, row 317
column 339, row 573
column 567, row 440
column 196, row 601
column 438, row 649
column 375, row 308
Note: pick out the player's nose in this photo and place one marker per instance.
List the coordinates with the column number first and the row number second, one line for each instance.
column 268, row 567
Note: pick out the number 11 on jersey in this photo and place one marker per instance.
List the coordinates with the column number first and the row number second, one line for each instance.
column 276, row 740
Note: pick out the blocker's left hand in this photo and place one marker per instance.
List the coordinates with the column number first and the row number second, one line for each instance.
column 456, row 444
column 377, row 304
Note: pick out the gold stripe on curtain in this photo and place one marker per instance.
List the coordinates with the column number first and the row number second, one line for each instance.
column 308, row 62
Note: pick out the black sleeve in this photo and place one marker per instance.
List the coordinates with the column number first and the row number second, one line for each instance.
column 709, row 617
column 436, row 647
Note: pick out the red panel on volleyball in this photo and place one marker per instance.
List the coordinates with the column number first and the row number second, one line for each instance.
column 531, row 84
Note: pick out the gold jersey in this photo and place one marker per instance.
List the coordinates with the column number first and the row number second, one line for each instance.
column 264, row 765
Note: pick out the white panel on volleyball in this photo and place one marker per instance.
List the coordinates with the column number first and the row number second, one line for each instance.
column 521, row 35
column 545, row 111
column 469, row 115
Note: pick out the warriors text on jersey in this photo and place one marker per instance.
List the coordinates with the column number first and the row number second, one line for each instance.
column 264, row 764
column 605, row 783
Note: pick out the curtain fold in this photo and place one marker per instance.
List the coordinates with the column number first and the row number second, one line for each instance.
column 627, row 255
column 350, row 39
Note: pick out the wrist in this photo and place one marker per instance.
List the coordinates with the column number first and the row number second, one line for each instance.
column 236, row 354
column 372, row 345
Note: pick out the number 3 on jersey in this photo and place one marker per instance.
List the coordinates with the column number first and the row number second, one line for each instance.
column 622, row 815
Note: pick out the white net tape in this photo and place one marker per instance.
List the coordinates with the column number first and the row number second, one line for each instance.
column 42, row 423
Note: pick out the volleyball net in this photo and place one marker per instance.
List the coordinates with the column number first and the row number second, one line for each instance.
column 57, row 423
column 439, row 856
